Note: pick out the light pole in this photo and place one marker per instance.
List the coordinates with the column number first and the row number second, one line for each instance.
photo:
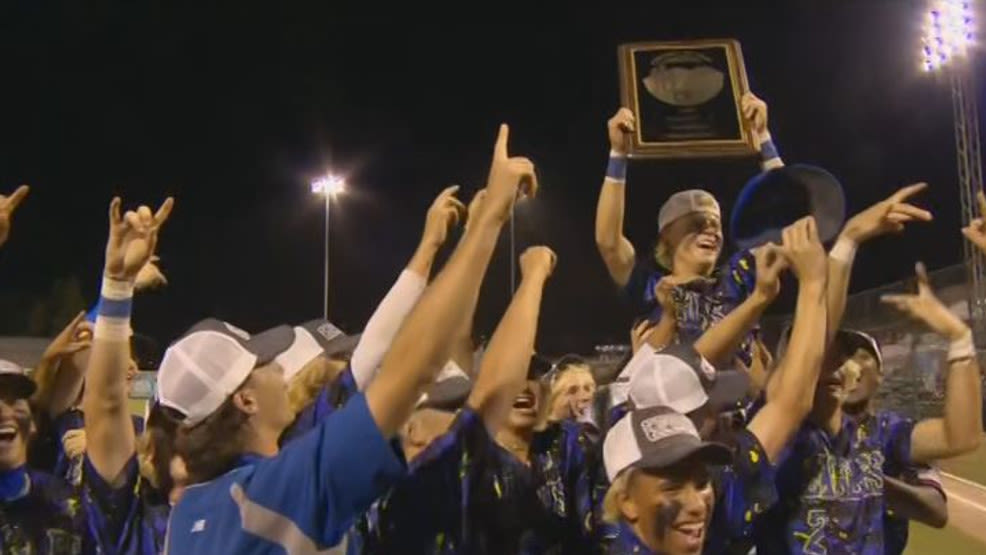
column 328, row 186
column 948, row 46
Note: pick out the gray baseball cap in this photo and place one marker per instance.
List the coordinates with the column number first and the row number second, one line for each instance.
column 656, row 438
column 687, row 202
column 14, row 378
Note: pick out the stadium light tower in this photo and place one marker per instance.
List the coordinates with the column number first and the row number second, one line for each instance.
column 949, row 46
column 328, row 186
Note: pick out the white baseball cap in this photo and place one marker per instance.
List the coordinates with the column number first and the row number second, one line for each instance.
column 687, row 202
column 656, row 437
column 679, row 378
column 210, row 361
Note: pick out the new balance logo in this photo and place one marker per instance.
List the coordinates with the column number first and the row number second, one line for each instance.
column 199, row 526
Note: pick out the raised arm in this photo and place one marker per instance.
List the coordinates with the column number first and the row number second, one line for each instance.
column 386, row 320
column 421, row 346
column 503, row 372
column 960, row 430
column 615, row 248
column 886, row 216
column 57, row 374
column 798, row 370
column 755, row 115
column 8, row 204
column 721, row 340
column 109, row 430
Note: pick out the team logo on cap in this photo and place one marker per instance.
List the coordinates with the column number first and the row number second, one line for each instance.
column 664, row 425
column 328, row 331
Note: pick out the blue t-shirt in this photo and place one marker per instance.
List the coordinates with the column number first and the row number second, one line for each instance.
column 831, row 488
column 129, row 520
column 47, row 519
column 700, row 303
column 744, row 490
column 481, row 499
column 302, row 500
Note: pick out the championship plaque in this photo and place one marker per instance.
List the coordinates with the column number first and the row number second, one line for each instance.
column 686, row 98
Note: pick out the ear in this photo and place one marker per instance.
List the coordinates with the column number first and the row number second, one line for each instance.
column 628, row 507
column 246, row 401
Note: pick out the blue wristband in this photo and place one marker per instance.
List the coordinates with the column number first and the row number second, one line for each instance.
column 768, row 151
column 113, row 308
column 616, row 170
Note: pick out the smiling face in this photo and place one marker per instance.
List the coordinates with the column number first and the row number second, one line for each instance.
column 525, row 412
column 693, row 243
column 16, row 428
column 670, row 509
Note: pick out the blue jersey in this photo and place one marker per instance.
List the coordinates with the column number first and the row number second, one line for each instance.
column 744, row 490
column 701, row 303
column 129, row 520
column 831, row 488
column 45, row 519
column 481, row 499
column 301, row 501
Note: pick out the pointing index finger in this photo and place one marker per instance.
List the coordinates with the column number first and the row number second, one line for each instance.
column 909, row 191
column 14, row 200
column 500, row 148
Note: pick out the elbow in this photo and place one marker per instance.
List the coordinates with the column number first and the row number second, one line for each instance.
column 968, row 444
column 607, row 244
column 939, row 518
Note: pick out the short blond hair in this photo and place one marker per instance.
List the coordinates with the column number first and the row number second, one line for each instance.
column 611, row 502
column 305, row 386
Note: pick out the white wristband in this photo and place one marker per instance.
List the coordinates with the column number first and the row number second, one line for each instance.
column 962, row 348
column 617, row 154
column 844, row 250
column 116, row 290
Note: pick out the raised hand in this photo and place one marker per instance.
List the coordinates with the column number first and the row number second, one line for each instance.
column 619, row 128
column 444, row 214
column 662, row 293
column 7, row 207
column 509, row 176
column 976, row 230
column 770, row 262
column 133, row 238
column 537, row 262
column 74, row 443
column 888, row 215
column 76, row 336
column 926, row 307
column 804, row 251
column 150, row 276
column 754, row 112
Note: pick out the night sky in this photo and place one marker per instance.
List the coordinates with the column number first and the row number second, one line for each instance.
column 233, row 110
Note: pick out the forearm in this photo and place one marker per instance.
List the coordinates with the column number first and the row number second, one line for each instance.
column 66, row 387
column 109, row 431
column 963, row 406
column 423, row 259
column 663, row 334
column 839, row 273
column 503, row 371
column 384, row 324
column 421, row 347
column 794, row 380
column 614, row 247
column 718, row 343
column 924, row 504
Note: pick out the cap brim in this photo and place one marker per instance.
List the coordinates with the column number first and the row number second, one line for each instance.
column 777, row 198
column 449, row 394
column 20, row 385
column 858, row 339
column 342, row 346
column 268, row 344
column 730, row 387
column 676, row 449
